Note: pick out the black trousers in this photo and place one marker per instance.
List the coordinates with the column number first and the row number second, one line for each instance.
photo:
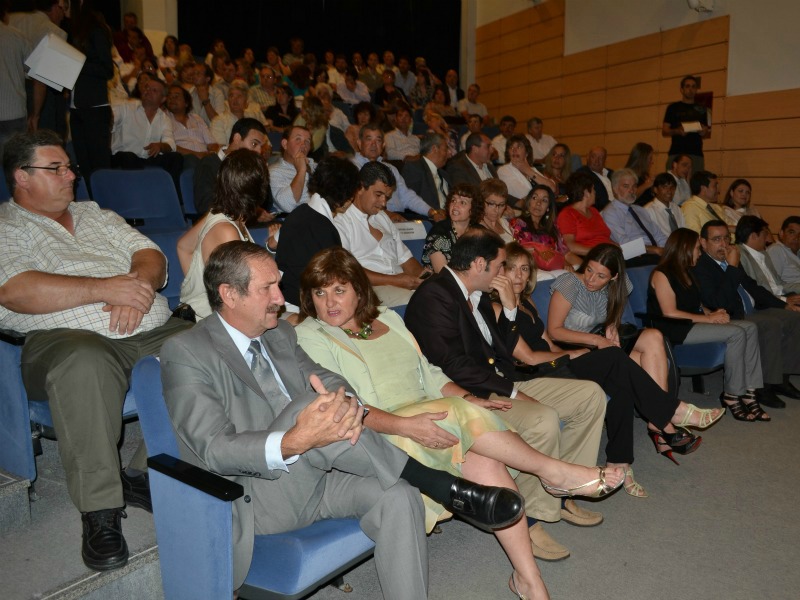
column 629, row 387
column 91, row 138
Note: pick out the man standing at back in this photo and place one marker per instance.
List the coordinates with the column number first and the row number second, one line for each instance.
column 688, row 124
column 81, row 283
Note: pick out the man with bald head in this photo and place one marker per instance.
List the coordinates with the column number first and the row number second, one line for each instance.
column 596, row 167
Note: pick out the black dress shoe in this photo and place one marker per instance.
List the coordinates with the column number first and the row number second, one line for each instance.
column 484, row 506
column 786, row 389
column 767, row 397
column 104, row 547
column 136, row 490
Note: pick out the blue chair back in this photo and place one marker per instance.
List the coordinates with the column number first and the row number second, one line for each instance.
column 541, row 298
column 153, row 416
column 146, row 195
column 168, row 242
column 275, row 138
column 4, row 193
column 187, row 191
column 82, row 192
column 640, row 278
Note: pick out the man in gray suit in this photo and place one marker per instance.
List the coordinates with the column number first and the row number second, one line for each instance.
column 752, row 234
column 247, row 403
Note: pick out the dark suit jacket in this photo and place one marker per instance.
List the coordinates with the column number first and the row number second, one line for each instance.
column 719, row 289
column 448, row 334
column 222, row 418
column 600, row 192
column 304, row 233
column 461, row 170
column 420, row 179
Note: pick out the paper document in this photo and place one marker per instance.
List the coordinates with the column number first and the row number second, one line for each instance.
column 55, row 63
column 692, row 127
column 411, row 230
column 633, row 249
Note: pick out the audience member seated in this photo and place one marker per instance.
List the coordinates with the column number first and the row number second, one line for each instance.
column 628, row 385
column 629, row 222
column 500, row 141
column 474, row 164
column 518, row 172
column 246, row 133
column 464, row 208
column 283, row 113
column 437, row 124
column 313, row 117
column 426, row 175
column 405, row 78
column 237, row 108
column 168, row 59
column 784, row 252
column 363, row 113
column 423, row 89
column 702, row 206
column 142, row 134
column 470, row 105
column 720, row 277
column 352, row 91
column 370, row 149
column 370, row 235
column 369, row 75
column 495, row 200
column 439, row 103
column 217, row 49
column 242, row 373
column 752, row 234
column 430, row 420
column 130, row 37
column 474, row 125
column 541, row 143
column 673, row 293
column 536, row 231
column 601, row 177
column 640, row 161
column 454, row 93
column 288, row 177
column 681, row 171
column 225, row 72
column 336, row 118
column 264, row 93
column 400, row 143
column 299, row 80
column 192, row 138
column 241, row 187
column 296, row 54
column 558, row 167
column 207, row 101
column 664, row 211
column 82, row 285
column 451, row 317
column 579, row 222
column 388, row 93
column 337, row 72
column 737, row 202
column 274, row 61
column 310, row 228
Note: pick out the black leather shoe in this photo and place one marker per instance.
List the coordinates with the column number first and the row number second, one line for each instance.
column 786, row 389
column 484, row 506
column 136, row 490
column 104, row 547
column 767, row 397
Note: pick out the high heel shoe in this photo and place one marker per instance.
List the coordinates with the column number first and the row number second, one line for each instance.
column 754, row 408
column 706, row 420
column 602, row 489
column 633, row 488
column 681, row 442
column 737, row 407
column 512, row 584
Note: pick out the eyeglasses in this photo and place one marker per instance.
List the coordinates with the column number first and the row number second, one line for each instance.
column 495, row 204
column 60, row 170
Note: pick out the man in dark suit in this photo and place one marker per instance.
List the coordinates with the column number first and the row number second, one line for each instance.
column 596, row 167
column 427, row 176
column 246, row 402
column 719, row 275
column 454, row 92
column 246, row 133
column 452, row 318
column 474, row 164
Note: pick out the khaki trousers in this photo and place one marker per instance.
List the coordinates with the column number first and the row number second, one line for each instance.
column 581, row 405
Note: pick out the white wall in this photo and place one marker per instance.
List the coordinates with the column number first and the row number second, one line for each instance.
column 764, row 48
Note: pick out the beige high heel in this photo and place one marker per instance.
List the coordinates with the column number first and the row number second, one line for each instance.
column 633, row 488
column 706, row 420
column 512, row 584
column 602, row 489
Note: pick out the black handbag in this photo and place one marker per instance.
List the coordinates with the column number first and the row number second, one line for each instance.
column 558, row 368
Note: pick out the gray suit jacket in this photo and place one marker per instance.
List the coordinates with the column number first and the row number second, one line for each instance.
column 753, row 269
column 222, row 419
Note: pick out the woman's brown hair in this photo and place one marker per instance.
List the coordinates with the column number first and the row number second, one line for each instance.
column 677, row 258
column 610, row 256
column 242, row 185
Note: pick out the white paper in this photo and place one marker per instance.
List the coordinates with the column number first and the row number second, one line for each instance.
column 55, row 63
column 411, row 230
column 692, row 127
column 633, row 249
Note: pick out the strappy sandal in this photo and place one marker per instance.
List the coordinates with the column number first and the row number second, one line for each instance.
column 706, row 417
column 602, row 489
column 682, row 442
column 512, row 584
column 738, row 409
column 633, row 488
column 754, row 408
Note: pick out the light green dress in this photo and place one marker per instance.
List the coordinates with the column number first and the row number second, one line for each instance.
column 389, row 373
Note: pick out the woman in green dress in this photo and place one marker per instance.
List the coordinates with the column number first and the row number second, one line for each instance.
column 419, row 409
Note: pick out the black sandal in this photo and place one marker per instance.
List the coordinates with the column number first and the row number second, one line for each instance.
column 682, row 441
column 738, row 409
column 754, row 408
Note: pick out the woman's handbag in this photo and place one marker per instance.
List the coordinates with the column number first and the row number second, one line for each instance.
column 558, row 368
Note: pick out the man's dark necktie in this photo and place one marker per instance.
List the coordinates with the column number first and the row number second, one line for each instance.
column 673, row 224
column 641, row 225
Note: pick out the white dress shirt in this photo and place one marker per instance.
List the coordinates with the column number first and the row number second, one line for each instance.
column 281, row 175
column 133, row 130
column 658, row 213
column 385, row 256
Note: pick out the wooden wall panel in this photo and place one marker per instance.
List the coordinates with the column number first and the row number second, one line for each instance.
column 585, row 61
column 634, row 72
column 545, row 90
column 767, row 191
column 552, row 48
column 777, row 133
column 698, row 60
column 700, row 34
column 545, row 69
column 646, row 46
column 643, row 94
column 519, row 57
column 631, row 119
column 712, row 81
column 758, row 107
column 587, row 81
column 580, row 104
column 766, row 163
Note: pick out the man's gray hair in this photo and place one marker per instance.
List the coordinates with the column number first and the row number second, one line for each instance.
column 429, row 142
column 229, row 263
column 620, row 174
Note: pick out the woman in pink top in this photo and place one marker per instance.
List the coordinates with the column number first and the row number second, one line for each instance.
column 580, row 224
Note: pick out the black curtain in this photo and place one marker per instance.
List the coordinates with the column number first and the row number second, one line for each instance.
column 406, row 27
